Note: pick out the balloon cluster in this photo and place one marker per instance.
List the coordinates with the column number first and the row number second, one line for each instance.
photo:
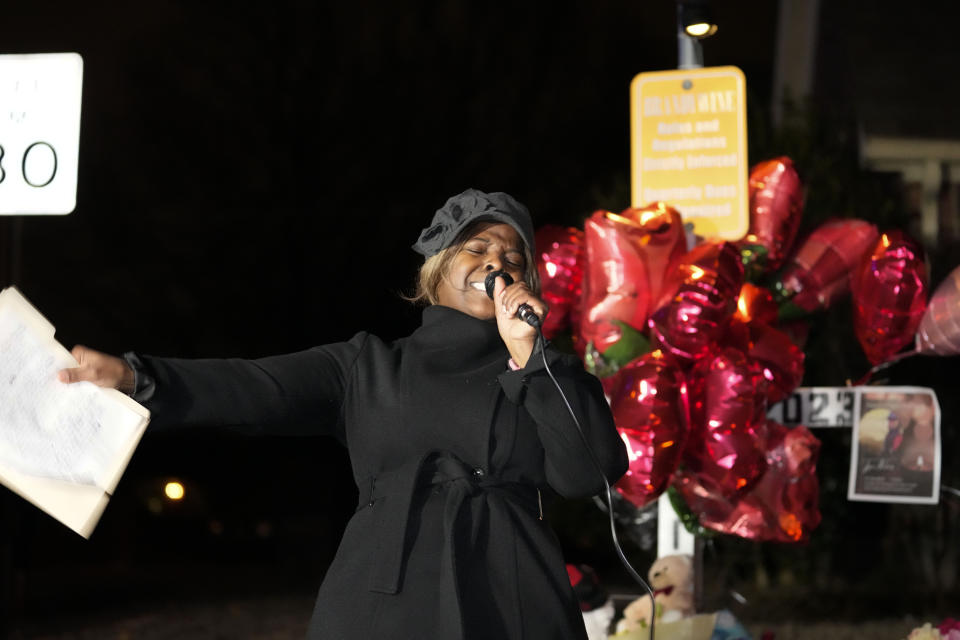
column 693, row 344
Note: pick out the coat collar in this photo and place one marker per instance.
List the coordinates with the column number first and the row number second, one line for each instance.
column 445, row 328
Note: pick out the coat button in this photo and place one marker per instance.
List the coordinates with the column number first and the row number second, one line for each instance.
column 477, row 473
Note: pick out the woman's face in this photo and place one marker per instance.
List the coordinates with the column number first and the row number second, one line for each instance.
column 491, row 246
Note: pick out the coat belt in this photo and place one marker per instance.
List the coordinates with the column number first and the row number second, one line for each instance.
column 390, row 495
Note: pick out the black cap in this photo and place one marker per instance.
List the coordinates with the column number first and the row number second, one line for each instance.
column 468, row 207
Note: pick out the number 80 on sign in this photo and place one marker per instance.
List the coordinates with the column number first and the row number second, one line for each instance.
column 38, row 164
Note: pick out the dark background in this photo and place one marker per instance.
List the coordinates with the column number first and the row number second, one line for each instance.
column 251, row 179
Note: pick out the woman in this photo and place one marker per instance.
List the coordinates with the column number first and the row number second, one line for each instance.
column 452, row 432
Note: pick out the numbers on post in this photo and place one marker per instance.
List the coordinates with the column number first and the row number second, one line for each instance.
column 817, row 407
column 846, row 400
column 818, row 402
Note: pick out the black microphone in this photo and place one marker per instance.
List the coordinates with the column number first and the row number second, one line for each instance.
column 525, row 312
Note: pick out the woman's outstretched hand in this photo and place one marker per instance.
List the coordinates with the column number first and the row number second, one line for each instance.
column 101, row 369
column 519, row 336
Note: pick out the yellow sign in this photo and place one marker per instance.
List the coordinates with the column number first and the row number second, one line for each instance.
column 689, row 146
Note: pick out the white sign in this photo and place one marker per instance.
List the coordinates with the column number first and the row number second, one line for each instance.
column 39, row 132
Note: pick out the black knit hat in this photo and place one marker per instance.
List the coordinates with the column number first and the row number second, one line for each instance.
column 472, row 205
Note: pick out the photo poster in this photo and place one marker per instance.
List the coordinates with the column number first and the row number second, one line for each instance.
column 895, row 448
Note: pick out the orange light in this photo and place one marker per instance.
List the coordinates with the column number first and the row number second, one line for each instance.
column 696, row 272
column 668, row 443
column 885, row 240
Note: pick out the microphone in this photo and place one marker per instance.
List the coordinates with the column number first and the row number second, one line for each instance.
column 525, row 312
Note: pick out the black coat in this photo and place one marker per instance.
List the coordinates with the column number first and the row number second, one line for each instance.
column 448, row 448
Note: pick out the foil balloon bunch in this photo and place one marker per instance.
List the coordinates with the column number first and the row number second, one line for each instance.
column 690, row 359
column 693, row 344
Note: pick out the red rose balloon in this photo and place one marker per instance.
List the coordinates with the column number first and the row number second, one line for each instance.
column 665, row 244
column 776, row 202
column 939, row 332
column 696, row 317
column 727, row 426
column 627, row 254
column 889, row 296
column 560, row 263
column 819, row 273
column 649, row 404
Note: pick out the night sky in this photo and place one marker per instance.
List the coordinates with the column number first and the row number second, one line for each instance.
column 251, row 179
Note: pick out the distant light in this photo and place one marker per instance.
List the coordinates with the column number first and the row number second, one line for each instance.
column 701, row 29
column 154, row 505
column 173, row 490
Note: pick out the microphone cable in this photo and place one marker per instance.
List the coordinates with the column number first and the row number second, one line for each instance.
column 596, row 463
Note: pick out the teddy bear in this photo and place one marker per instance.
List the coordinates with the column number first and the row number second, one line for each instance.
column 671, row 578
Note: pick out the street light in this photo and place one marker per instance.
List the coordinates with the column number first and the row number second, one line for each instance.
column 694, row 23
column 696, row 18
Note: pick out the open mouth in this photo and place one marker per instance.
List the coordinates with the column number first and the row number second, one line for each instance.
column 478, row 286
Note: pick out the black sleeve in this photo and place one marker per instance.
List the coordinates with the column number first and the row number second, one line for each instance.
column 569, row 469
column 298, row 393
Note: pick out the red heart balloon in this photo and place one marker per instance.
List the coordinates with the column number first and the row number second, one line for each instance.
column 776, row 204
column 710, row 277
column 648, row 398
column 889, row 291
column 627, row 254
column 560, row 263
column 782, row 506
column 727, row 425
column 819, row 273
column 792, row 492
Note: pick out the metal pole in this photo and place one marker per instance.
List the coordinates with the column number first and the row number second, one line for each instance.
column 11, row 233
column 689, row 51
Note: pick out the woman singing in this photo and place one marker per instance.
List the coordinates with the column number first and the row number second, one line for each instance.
column 453, row 432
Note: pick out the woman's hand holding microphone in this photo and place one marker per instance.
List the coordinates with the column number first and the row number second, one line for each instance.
column 519, row 336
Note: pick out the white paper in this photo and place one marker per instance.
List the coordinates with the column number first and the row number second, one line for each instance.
column 67, row 432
